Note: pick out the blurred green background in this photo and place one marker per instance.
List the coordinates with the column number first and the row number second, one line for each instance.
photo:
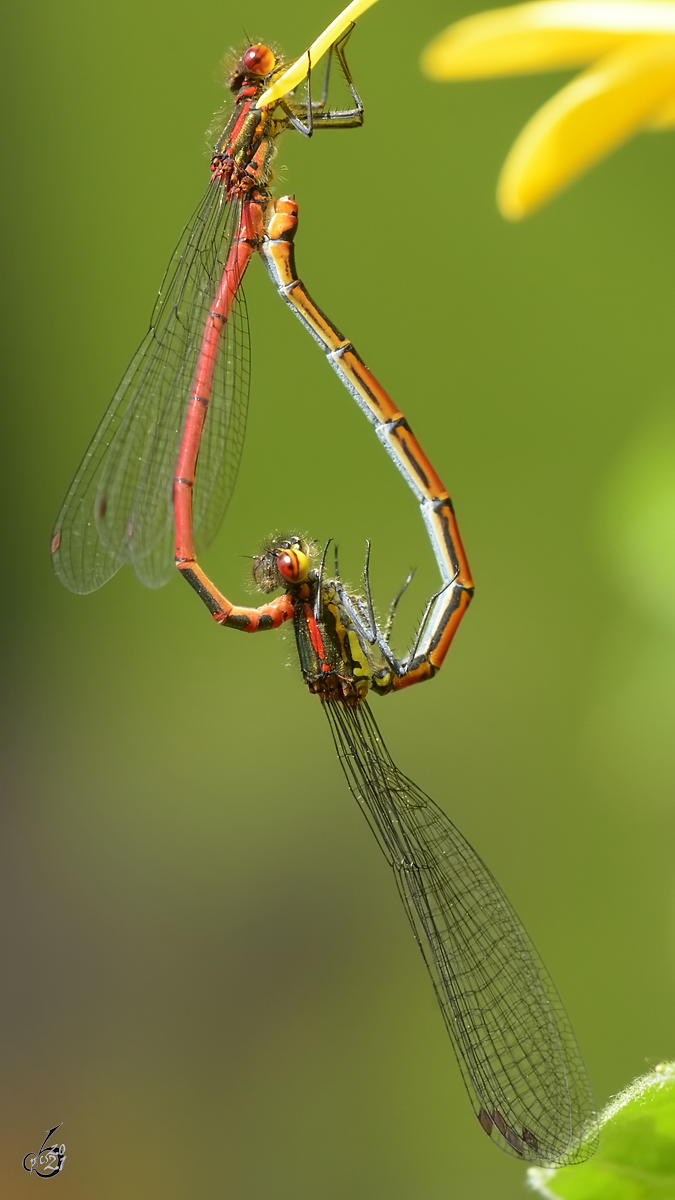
column 208, row 976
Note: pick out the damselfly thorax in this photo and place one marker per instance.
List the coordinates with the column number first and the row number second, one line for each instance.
column 242, row 156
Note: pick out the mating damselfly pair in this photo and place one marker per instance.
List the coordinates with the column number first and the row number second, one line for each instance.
column 152, row 490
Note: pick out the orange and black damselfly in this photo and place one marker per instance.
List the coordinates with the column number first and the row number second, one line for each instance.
column 511, row 1035
column 194, row 361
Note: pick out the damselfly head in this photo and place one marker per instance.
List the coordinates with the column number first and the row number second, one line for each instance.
column 256, row 61
column 282, row 562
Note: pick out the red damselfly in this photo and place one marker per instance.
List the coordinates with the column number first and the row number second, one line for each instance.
column 155, row 451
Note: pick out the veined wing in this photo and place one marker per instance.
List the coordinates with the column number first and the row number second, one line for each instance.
column 510, row 1032
column 119, row 506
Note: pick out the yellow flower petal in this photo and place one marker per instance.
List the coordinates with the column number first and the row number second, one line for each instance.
column 298, row 71
column 590, row 117
column 664, row 119
column 543, row 36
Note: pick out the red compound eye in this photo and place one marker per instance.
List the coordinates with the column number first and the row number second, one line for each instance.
column 258, row 60
column 293, row 565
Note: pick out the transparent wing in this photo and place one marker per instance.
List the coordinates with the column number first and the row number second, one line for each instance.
column 510, row 1032
column 118, row 508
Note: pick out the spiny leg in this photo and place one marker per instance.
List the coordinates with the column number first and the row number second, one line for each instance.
column 414, row 652
column 347, row 118
column 339, row 49
column 318, row 600
column 365, row 576
column 394, row 605
column 318, row 105
column 385, row 635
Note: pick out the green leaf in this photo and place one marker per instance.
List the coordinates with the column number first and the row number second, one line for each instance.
column 636, row 1157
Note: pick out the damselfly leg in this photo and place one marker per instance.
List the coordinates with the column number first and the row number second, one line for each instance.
column 316, row 116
